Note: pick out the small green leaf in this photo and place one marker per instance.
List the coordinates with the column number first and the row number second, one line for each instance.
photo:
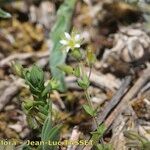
column 26, row 74
column 28, row 104
column 84, row 82
column 101, row 129
column 4, row 14
column 50, row 132
column 99, row 147
column 132, row 135
column 46, row 107
column 47, row 89
column 54, row 84
column 42, row 110
column 32, row 122
column 77, row 71
column 37, row 76
column 53, row 135
column 96, row 135
column 89, row 110
column 41, row 117
column 47, row 126
column 35, row 79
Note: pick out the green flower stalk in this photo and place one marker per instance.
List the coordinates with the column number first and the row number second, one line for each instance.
column 72, row 43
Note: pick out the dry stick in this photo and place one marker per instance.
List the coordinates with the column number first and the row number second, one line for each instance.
column 22, row 56
column 74, row 137
column 98, row 80
column 145, row 77
column 9, row 93
column 115, row 100
column 103, row 81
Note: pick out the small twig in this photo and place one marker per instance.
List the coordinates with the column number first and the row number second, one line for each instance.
column 103, row 81
column 143, row 79
column 90, row 71
column 57, row 96
column 9, row 93
column 99, row 80
column 22, row 56
column 115, row 100
column 74, row 137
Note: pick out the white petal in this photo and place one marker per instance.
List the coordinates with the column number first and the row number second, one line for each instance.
column 67, row 35
column 64, row 42
column 77, row 45
column 67, row 49
column 46, row 83
column 77, row 37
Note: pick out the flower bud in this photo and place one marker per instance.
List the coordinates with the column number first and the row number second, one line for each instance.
column 66, row 69
column 91, row 58
column 76, row 53
column 28, row 104
column 17, row 68
column 54, row 84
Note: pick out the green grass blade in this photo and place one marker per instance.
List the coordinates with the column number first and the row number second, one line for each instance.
column 4, row 14
column 63, row 23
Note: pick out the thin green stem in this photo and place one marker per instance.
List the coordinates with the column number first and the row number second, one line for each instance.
column 90, row 72
column 91, row 105
column 50, row 108
column 86, row 92
column 89, row 99
column 81, row 68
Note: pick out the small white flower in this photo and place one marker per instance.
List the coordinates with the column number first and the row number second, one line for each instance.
column 70, row 42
